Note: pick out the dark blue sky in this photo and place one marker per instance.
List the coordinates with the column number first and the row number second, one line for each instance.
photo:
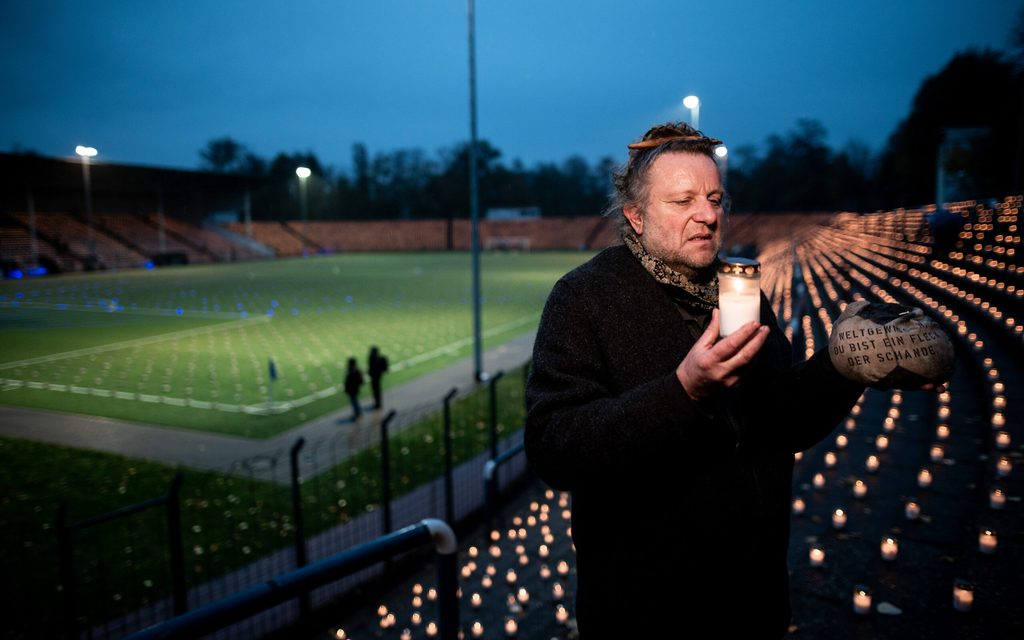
column 151, row 82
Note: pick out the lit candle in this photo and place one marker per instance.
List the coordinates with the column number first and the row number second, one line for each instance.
column 476, row 600
column 924, row 478
column 524, row 560
column 1003, row 440
column 855, row 411
column 382, row 611
column 897, row 398
column 431, row 629
column 882, row 442
column 912, row 510
column 936, row 452
column 495, row 551
column 561, row 614
column 850, row 425
column 798, row 505
column 997, row 498
column 477, row 629
column 1004, row 467
column 739, row 293
column 417, row 602
column 943, row 412
column 416, row 618
column 486, row 582
column 819, row 480
column 473, row 552
column 830, row 459
column 963, row 595
column 543, row 551
column 798, row 456
column 417, row 588
column 841, row 441
column 562, row 567
column 998, row 420
column 511, row 627
column 987, row 541
column 545, row 572
column 871, row 464
column 889, row 424
column 860, row 489
column 890, row 548
column 431, row 594
column 942, row 431
column 523, row 596
column 894, row 413
column 510, row 576
column 816, row 555
column 838, row 519
column 861, row 600
column 406, row 634
column 557, row 592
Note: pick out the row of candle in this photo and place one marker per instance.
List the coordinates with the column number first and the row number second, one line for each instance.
column 963, row 597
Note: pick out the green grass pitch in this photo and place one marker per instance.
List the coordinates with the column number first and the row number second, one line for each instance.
column 189, row 346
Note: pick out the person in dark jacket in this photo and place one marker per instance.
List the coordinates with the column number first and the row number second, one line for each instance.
column 676, row 445
column 376, row 367
column 353, row 384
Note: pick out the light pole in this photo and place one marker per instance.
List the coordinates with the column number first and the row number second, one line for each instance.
column 86, row 153
column 693, row 104
column 303, row 173
column 478, row 372
column 722, row 155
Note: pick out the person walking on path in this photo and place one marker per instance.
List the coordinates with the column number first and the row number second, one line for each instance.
column 353, row 384
column 376, row 367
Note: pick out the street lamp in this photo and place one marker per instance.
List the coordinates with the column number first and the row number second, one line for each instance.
column 722, row 156
column 693, row 104
column 86, row 153
column 303, row 173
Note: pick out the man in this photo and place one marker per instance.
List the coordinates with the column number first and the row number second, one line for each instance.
column 676, row 445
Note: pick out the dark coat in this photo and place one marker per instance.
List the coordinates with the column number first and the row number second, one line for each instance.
column 680, row 510
column 353, row 381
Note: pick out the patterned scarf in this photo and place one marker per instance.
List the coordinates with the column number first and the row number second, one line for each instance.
column 704, row 296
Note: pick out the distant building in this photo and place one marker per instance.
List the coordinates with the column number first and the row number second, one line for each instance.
column 513, row 213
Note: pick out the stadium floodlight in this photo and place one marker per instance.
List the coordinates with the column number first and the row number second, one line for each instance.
column 693, row 104
column 721, row 151
column 86, row 153
column 303, row 173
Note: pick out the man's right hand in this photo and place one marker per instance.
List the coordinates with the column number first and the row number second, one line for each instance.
column 713, row 364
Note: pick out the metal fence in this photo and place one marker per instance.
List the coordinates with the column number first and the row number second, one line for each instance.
column 212, row 535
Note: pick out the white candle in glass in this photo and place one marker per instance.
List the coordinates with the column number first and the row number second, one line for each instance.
column 1003, row 440
column 936, row 452
column 860, row 489
column 997, row 498
column 830, row 459
column 871, row 464
column 561, row 614
column 557, row 592
column 816, row 555
column 511, row 627
column 924, row 478
column 942, row 431
column 1004, row 467
column 890, row 548
column 739, row 294
column 841, row 441
column 861, row 600
column 798, row 506
column 477, row 629
column 963, row 595
column 476, row 600
column 882, row 442
column 819, row 480
column 838, row 519
column 912, row 510
column 798, row 456
column 987, row 541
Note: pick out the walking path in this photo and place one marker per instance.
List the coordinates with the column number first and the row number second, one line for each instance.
column 217, row 452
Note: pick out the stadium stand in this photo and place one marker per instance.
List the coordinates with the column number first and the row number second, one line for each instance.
column 74, row 237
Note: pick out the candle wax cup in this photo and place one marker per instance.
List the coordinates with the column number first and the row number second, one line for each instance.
column 737, row 309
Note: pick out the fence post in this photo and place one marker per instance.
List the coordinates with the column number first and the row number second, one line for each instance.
column 174, row 539
column 494, row 413
column 65, row 558
column 300, row 533
column 385, row 471
column 449, row 490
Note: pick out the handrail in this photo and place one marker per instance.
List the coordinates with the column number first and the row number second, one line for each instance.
column 490, row 482
column 253, row 600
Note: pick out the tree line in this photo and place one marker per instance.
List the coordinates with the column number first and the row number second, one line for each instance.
column 980, row 91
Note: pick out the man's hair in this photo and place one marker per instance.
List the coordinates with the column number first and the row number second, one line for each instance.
column 629, row 181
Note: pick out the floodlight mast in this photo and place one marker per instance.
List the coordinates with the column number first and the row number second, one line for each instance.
column 478, row 372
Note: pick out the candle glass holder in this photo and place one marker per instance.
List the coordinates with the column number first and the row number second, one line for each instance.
column 739, row 293
column 963, row 595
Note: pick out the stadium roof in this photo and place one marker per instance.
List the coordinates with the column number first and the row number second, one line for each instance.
column 56, row 184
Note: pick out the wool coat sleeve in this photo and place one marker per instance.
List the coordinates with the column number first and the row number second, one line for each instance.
column 598, row 395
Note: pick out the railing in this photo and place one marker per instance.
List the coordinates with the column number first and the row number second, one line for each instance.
column 491, row 483
column 301, row 581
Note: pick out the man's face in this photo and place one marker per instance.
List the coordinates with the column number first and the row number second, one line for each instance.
column 681, row 222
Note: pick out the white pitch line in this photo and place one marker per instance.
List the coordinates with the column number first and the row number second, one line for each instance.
column 259, row 408
column 95, row 308
column 125, row 344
